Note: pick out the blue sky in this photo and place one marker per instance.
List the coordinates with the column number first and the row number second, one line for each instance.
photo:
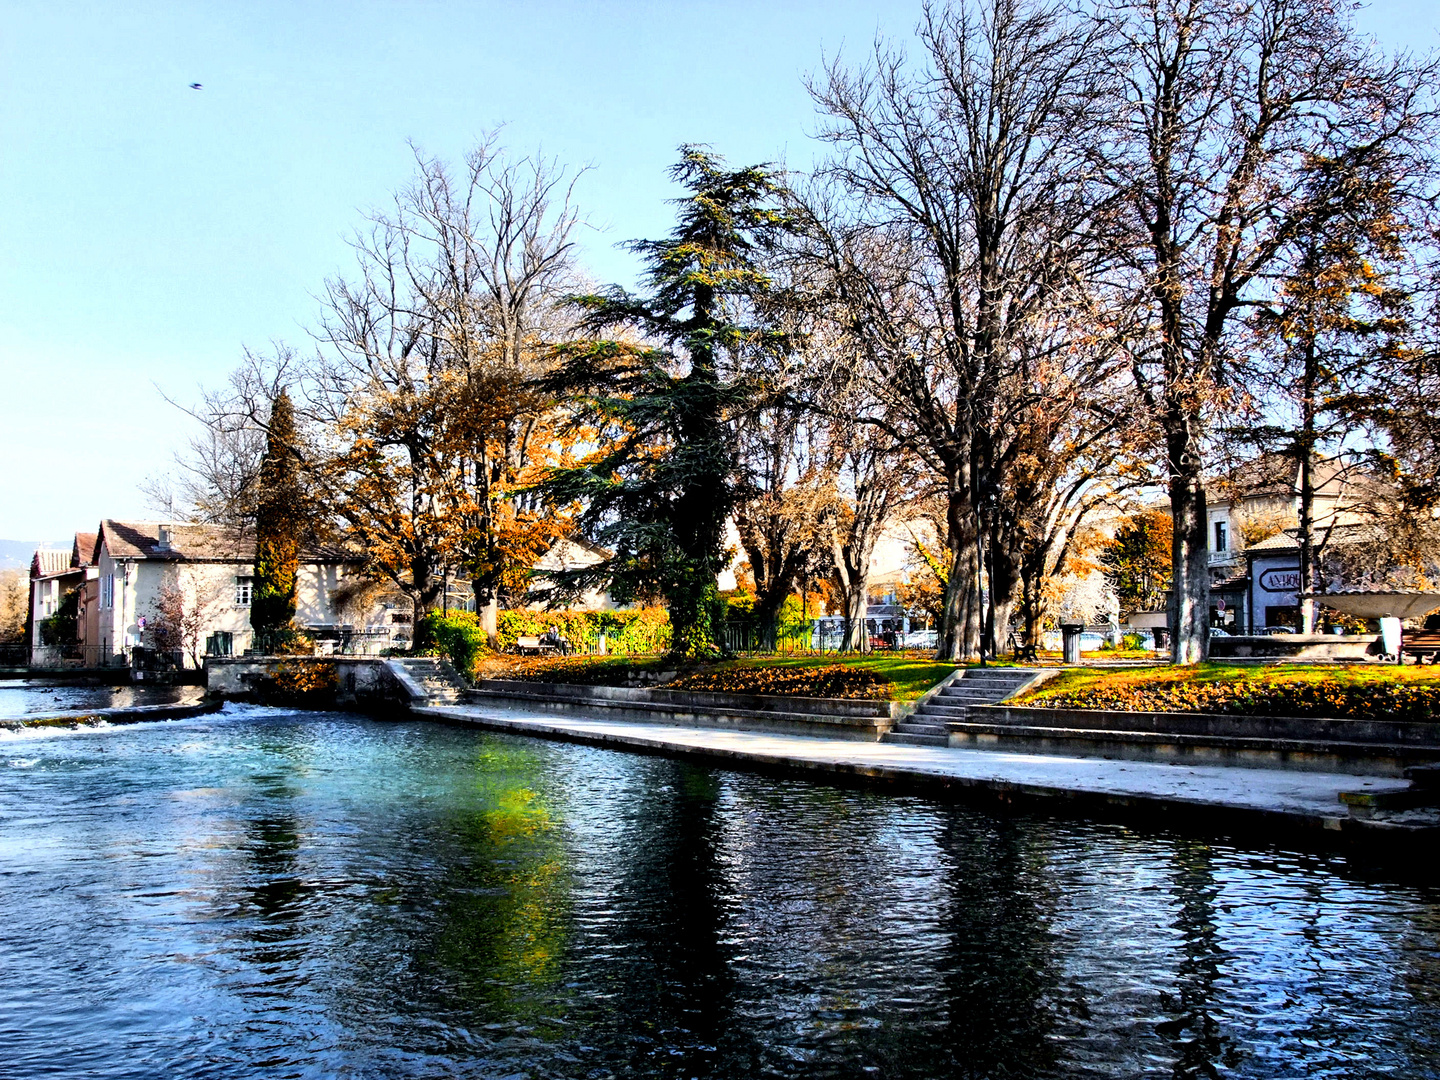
column 150, row 231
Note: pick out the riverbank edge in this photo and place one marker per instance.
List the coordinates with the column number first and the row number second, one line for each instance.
column 1210, row 819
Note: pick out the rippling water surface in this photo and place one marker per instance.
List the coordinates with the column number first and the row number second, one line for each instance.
column 20, row 698
column 265, row 894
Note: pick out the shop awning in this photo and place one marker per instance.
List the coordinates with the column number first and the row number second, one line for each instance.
column 1379, row 605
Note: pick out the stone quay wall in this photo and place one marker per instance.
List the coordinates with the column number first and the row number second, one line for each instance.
column 359, row 682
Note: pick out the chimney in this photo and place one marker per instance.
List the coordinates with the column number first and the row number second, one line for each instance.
column 163, row 544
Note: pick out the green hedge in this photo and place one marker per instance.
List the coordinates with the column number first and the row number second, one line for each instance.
column 642, row 631
column 456, row 636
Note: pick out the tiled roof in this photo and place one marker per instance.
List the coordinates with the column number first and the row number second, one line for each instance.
column 47, row 561
column 1288, row 539
column 190, row 542
column 83, row 553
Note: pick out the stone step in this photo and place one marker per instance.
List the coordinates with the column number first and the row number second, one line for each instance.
column 440, row 682
column 911, row 727
column 970, row 695
column 946, row 712
column 906, row 739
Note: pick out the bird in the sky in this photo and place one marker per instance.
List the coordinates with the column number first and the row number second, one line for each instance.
column 196, row 86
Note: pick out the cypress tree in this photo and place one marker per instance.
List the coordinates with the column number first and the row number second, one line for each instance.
column 661, row 487
column 278, row 522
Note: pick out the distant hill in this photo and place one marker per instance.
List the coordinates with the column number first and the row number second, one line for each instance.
column 17, row 553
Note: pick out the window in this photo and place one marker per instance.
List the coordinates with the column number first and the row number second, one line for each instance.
column 1222, row 537
column 107, row 591
column 243, row 588
column 1286, row 615
column 222, row 642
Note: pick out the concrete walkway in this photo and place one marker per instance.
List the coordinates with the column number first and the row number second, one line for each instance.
column 1216, row 797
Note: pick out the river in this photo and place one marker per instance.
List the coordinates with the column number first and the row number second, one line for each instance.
column 260, row 893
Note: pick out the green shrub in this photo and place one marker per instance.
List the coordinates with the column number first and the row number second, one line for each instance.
column 739, row 603
column 639, row 631
column 455, row 635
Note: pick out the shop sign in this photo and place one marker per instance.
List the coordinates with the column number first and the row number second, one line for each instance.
column 1280, row 580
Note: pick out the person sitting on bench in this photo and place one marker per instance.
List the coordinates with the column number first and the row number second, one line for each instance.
column 552, row 639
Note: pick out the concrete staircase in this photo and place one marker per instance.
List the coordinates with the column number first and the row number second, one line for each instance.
column 428, row 680
column 929, row 724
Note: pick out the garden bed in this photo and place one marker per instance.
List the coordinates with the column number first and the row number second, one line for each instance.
column 1358, row 692
column 890, row 676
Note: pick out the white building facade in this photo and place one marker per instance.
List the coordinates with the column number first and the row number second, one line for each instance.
column 150, row 571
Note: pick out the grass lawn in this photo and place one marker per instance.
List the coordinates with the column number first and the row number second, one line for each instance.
column 1380, row 691
column 908, row 674
column 893, row 676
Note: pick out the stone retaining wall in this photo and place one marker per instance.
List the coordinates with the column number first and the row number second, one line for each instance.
column 1298, row 646
column 842, row 718
column 1221, row 724
column 361, row 682
column 1360, row 747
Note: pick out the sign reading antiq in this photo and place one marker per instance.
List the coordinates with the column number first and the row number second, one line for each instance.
column 1280, row 579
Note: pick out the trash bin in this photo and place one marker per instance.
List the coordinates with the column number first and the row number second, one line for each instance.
column 1390, row 638
column 1071, row 632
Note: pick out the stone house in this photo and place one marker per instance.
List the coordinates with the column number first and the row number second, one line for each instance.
column 1258, row 504
column 571, row 553
column 211, row 569
column 56, row 574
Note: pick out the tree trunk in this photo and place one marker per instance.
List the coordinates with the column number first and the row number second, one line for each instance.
column 959, row 637
column 857, row 601
column 1307, row 487
column 488, row 609
column 1190, row 554
column 1006, row 568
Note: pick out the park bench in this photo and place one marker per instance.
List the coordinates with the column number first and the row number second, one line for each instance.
column 1022, row 650
column 533, row 646
column 1424, row 645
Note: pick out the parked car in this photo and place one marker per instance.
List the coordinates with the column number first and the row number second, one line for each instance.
column 1215, row 631
column 922, row 639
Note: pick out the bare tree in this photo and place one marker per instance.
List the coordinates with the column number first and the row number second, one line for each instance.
column 1220, row 105
column 429, row 358
column 962, row 219
column 180, row 617
column 873, row 477
column 215, row 476
column 782, row 495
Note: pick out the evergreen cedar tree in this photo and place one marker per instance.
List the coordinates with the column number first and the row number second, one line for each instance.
column 277, row 524
column 661, row 486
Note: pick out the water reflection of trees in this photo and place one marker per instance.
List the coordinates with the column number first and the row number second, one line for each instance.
column 1200, row 1044
column 1002, row 973
column 502, row 928
column 668, row 986
column 819, row 875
